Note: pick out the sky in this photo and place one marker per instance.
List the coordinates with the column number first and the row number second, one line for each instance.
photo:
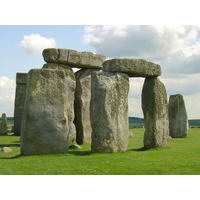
column 176, row 48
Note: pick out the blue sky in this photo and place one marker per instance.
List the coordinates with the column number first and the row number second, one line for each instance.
column 175, row 48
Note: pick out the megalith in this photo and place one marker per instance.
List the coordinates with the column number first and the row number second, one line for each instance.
column 178, row 120
column 45, row 121
column 70, row 104
column 155, row 110
column 74, row 58
column 109, row 111
column 20, row 95
column 132, row 67
column 82, row 106
column 3, row 127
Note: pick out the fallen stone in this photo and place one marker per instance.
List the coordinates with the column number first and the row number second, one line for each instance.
column 71, row 78
column 20, row 95
column 155, row 109
column 178, row 120
column 3, row 125
column 109, row 111
column 6, row 149
column 132, row 67
column 74, row 146
column 73, row 58
column 47, row 116
column 82, row 106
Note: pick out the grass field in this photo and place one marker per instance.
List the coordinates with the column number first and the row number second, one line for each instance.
column 182, row 157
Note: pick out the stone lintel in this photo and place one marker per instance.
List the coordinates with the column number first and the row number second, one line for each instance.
column 132, row 67
column 73, row 58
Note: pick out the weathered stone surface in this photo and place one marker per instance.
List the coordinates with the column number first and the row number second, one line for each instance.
column 20, row 94
column 21, row 78
column 109, row 111
column 73, row 58
column 6, row 149
column 132, row 67
column 70, row 76
column 178, row 120
column 155, row 109
column 3, row 125
column 46, row 119
column 82, row 106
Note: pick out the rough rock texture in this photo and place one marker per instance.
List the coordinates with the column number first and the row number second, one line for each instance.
column 70, row 76
column 109, row 111
column 155, row 109
column 46, row 117
column 178, row 120
column 3, row 125
column 73, row 58
column 82, row 106
column 20, row 94
column 132, row 67
column 6, row 149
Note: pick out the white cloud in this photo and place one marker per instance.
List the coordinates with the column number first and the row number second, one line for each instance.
column 34, row 44
column 175, row 48
column 7, row 95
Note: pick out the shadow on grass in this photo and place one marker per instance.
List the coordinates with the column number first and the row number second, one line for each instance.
column 9, row 145
column 80, row 153
column 140, row 149
column 13, row 157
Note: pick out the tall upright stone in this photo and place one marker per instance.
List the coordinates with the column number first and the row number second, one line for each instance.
column 155, row 109
column 3, row 125
column 109, row 111
column 71, row 84
column 178, row 120
column 82, row 106
column 20, row 95
column 45, row 121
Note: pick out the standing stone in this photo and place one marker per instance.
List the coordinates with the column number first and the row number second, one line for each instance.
column 45, row 121
column 178, row 120
column 109, row 111
column 82, row 106
column 3, row 127
column 72, row 84
column 155, row 109
column 20, row 95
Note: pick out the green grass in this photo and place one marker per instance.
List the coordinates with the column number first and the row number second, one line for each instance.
column 182, row 157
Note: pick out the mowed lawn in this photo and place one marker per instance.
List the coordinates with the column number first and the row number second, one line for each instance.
column 182, row 157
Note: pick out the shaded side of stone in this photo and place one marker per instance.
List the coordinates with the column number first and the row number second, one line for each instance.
column 3, row 125
column 178, row 120
column 20, row 95
column 73, row 58
column 70, row 105
column 155, row 109
column 45, row 121
column 109, row 111
column 132, row 67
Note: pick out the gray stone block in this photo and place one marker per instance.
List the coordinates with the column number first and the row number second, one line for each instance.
column 178, row 120
column 132, row 67
column 155, row 109
column 109, row 111
column 73, row 58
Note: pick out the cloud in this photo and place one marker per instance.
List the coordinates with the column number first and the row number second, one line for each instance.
column 7, row 95
column 34, row 44
column 150, row 42
column 175, row 48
